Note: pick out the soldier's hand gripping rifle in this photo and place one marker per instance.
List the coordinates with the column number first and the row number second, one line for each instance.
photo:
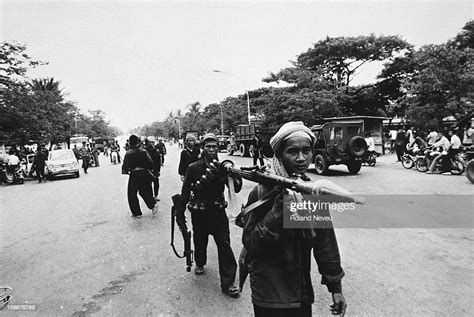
column 188, row 252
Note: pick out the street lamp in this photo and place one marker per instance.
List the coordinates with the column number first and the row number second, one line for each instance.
column 246, row 91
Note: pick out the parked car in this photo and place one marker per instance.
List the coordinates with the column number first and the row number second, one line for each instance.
column 339, row 143
column 62, row 162
column 223, row 141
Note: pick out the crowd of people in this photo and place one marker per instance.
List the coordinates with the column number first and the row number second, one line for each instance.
column 447, row 143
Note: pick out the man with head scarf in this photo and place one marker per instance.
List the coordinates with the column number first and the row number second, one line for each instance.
column 279, row 259
column 189, row 154
column 203, row 187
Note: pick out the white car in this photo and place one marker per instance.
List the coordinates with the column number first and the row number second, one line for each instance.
column 62, row 162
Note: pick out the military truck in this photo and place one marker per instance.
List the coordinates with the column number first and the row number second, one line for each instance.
column 244, row 140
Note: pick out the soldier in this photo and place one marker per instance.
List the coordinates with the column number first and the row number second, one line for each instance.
column 189, row 155
column 85, row 155
column 138, row 163
column 39, row 163
column 162, row 149
column 203, row 187
column 156, row 158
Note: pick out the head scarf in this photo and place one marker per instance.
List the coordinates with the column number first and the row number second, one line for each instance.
column 286, row 131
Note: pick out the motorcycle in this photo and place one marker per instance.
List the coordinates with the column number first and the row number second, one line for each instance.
column 409, row 158
column 469, row 160
column 423, row 163
column 11, row 177
column 370, row 158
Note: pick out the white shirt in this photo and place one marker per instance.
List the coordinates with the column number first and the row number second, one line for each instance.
column 370, row 143
column 444, row 143
column 13, row 160
column 455, row 142
column 432, row 136
column 393, row 134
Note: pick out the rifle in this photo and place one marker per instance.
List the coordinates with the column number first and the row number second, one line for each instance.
column 188, row 252
column 319, row 187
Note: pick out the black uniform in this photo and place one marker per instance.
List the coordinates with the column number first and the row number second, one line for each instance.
column 39, row 163
column 162, row 150
column 138, row 163
column 156, row 158
column 209, row 218
column 187, row 157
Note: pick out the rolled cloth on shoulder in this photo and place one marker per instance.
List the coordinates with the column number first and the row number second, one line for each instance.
column 286, row 131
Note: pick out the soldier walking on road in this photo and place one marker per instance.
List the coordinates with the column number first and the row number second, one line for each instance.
column 85, row 155
column 95, row 155
column 203, row 187
column 39, row 163
column 189, row 155
column 156, row 158
column 162, row 149
column 138, row 163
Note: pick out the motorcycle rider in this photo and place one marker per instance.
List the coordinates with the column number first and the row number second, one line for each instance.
column 444, row 144
column 13, row 163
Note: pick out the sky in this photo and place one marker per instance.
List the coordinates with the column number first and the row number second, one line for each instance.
column 140, row 60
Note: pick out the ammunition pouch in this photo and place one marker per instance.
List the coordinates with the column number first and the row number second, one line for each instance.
column 196, row 205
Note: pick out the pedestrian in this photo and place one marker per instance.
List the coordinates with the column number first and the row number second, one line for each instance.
column 370, row 143
column 257, row 150
column 39, row 163
column 75, row 150
column 189, row 155
column 393, row 137
column 279, row 259
column 95, row 155
column 162, row 149
column 203, row 187
column 138, row 164
column 400, row 144
column 117, row 146
column 156, row 158
column 85, row 156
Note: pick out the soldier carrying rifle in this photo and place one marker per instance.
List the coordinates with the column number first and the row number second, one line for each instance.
column 279, row 259
column 203, row 193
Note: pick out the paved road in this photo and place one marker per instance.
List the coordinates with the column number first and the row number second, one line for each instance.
column 70, row 247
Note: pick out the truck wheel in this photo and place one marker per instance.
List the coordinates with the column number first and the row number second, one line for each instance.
column 243, row 150
column 321, row 165
column 230, row 150
column 354, row 166
column 357, row 146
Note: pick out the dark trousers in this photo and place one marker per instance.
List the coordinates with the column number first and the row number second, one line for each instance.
column 448, row 158
column 96, row 160
column 304, row 311
column 85, row 163
column 139, row 183
column 400, row 149
column 214, row 222
column 156, row 183
column 257, row 155
column 40, row 172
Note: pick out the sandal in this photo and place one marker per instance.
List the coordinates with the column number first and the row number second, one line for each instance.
column 231, row 291
column 199, row 270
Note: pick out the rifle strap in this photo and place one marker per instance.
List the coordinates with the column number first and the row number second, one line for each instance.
column 262, row 201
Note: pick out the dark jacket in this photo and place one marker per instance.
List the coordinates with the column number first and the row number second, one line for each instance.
column 213, row 191
column 136, row 158
column 187, row 157
column 155, row 157
column 279, row 260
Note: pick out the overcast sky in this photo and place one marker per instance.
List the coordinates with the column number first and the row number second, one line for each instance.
column 139, row 60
